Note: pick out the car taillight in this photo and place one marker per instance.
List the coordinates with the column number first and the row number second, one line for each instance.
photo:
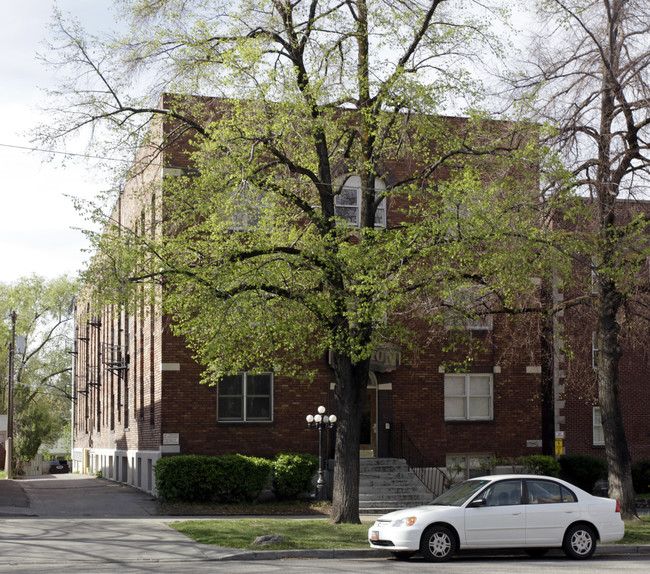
column 618, row 506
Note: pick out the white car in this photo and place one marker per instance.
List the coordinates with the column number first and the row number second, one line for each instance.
column 504, row 511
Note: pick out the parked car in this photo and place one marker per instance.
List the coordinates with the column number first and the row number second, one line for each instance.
column 505, row 511
column 57, row 466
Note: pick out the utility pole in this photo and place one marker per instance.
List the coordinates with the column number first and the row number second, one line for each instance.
column 10, row 401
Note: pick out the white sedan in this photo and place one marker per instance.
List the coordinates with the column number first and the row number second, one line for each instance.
column 504, row 511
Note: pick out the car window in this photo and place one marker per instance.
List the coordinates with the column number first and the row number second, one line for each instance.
column 503, row 493
column 459, row 494
column 547, row 492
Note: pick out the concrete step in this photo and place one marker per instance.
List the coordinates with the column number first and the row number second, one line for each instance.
column 387, row 485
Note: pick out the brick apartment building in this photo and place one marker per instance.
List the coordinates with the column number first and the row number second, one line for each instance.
column 138, row 396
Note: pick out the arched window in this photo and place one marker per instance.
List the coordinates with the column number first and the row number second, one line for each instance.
column 347, row 204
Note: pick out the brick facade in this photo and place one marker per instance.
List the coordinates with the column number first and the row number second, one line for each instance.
column 129, row 414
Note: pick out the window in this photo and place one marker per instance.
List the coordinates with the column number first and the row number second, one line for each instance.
column 463, row 466
column 504, row 493
column 547, row 492
column 599, row 437
column 248, row 205
column 348, row 201
column 245, row 397
column 468, row 397
column 469, row 308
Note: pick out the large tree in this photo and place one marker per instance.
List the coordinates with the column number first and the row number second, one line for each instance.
column 590, row 79
column 325, row 118
column 42, row 374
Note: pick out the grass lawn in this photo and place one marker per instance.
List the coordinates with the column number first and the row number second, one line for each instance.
column 298, row 534
column 304, row 534
column 637, row 532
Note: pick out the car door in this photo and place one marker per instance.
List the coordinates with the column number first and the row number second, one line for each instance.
column 550, row 508
column 499, row 520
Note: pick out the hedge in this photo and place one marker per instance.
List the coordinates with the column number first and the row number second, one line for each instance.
column 540, row 464
column 226, row 478
column 641, row 476
column 583, row 470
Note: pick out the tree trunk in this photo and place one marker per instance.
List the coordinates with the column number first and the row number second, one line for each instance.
column 351, row 384
column 617, row 452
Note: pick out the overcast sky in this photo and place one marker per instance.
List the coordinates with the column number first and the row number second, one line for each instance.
column 37, row 218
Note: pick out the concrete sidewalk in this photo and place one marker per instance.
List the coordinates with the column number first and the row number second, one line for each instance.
column 13, row 500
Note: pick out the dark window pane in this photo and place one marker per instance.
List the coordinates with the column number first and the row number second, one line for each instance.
column 230, row 385
column 258, row 384
column 230, row 408
column 258, row 409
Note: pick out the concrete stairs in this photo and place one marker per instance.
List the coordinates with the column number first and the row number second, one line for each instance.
column 387, row 484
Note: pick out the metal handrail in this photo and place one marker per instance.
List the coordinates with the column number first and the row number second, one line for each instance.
column 431, row 476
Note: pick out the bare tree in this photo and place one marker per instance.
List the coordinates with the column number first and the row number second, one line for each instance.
column 589, row 79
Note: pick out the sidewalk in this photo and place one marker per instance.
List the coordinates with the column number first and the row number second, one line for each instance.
column 13, row 500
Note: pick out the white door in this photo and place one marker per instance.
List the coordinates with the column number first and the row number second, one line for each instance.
column 550, row 509
column 501, row 521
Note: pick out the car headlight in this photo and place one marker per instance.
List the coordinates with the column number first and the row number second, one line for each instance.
column 408, row 521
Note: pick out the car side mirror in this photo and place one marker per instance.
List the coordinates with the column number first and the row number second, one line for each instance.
column 477, row 503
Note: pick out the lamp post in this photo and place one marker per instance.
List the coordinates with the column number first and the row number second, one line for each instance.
column 10, row 402
column 321, row 421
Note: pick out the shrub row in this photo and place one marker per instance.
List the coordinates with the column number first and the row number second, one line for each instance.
column 641, row 476
column 232, row 478
column 583, row 470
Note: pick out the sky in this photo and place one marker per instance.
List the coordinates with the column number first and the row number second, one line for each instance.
column 37, row 219
column 39, row 227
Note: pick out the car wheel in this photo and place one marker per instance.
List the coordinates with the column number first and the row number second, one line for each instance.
column 536, row 552
column 402, row 555
column 438, row 544
column 579, row 542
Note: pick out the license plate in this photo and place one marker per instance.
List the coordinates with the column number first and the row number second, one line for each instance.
column 374, row 535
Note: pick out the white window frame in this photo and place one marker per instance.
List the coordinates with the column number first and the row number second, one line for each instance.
column 245, row 418
column 352, row 185
column 597, row 425
column 467, row 397
column 469, row 299
column 594, row 350
column 249, row 205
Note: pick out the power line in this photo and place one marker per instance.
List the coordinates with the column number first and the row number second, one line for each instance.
column 66, row 153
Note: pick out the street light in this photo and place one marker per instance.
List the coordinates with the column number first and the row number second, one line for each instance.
column 321, row 421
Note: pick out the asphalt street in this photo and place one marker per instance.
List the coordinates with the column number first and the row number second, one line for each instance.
column 80, row 523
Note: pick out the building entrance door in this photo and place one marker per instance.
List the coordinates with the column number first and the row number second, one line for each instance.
column 369, row 420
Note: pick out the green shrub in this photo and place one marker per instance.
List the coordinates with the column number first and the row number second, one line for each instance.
column 641, row 476
column 540, row 464
column 195, row 478
column 240, row 478
column 583, row 470
column 293, row 474
column 185, row 478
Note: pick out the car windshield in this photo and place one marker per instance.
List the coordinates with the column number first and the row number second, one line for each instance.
column 459, row 494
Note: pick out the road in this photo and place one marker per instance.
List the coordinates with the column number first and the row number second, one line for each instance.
column 79, row 524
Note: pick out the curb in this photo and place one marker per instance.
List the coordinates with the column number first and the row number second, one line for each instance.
column 362, row 553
